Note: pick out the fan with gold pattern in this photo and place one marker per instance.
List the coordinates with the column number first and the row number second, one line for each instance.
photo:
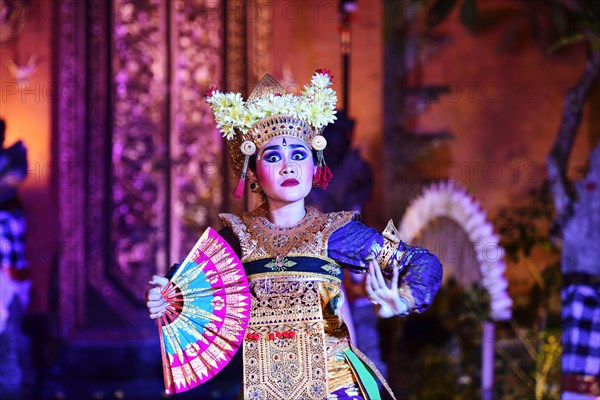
column 207, row 315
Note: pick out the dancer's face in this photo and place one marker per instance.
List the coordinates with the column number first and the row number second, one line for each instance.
column 285, row 169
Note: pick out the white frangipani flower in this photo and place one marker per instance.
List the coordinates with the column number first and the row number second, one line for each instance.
column 316, row 106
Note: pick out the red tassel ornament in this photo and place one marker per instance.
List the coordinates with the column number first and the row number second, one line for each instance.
column 323, row 174
column 317, row 176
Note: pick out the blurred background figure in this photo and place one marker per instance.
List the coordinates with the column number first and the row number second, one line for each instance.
column 14, row 281
column 581, row 289
column 352, row 182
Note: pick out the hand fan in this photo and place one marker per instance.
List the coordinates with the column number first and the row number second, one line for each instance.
column 207, row 316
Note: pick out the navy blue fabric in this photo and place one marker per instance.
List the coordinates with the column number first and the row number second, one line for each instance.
column 581, row 325
column 355, row 244
column 352, row 246
column 303, row 264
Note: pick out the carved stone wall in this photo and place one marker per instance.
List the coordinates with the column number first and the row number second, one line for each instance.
column 138, row 153
column 196, row 147
column 141, row 163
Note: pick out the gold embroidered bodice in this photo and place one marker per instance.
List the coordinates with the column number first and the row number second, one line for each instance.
column 292, row 298
column 259, row 238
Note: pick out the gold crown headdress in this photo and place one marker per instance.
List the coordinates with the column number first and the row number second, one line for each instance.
column 270, row 112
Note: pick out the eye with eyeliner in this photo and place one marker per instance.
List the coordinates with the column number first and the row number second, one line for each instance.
column 272, row 157
column 299, row 155
column 275, row 156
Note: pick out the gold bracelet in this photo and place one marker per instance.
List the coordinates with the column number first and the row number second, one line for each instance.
column 391, row 241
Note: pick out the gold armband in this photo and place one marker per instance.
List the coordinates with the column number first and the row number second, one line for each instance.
column 390, row 247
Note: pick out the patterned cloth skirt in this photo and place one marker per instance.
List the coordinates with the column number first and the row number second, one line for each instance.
column 350, row 392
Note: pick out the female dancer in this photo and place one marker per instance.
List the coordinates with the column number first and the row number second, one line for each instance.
column 297, row 345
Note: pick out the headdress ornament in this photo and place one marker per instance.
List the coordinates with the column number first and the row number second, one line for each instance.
column 270, row 112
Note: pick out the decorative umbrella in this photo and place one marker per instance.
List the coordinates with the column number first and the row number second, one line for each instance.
column 207, row 316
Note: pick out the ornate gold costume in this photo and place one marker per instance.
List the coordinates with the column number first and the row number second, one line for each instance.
column 297, row 345
column 261, row 239
column 310, row 364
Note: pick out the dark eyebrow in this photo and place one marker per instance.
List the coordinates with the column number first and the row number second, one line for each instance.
column 274, row 147
column 298, row 146
column 278, row 147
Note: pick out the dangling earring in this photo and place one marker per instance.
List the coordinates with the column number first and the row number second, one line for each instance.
column 255, row 187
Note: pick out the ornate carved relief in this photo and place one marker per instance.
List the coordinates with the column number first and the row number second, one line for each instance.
column 236, row 78
column 196, row 146
column 144, row 165
column 260, row 31
column 139, row 142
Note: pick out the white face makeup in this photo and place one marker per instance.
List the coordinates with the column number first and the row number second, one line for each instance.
column 285, row 169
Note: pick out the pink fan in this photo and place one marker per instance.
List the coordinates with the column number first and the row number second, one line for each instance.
column 207, row 316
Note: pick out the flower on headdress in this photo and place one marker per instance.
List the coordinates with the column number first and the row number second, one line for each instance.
column 324, row 71
column 320, row 109
column 229, row 111
column 320, row 81
column 316, row 105
column 210, row 91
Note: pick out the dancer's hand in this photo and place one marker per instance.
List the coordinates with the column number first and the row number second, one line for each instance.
column 386, row 299
column 155, row 302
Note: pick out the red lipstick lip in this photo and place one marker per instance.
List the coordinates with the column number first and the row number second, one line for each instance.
column 290, row 182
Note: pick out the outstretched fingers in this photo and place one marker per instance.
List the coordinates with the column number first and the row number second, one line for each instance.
column 383, row 294
column 378, row 275
column 371, row 285
column 395, row 276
